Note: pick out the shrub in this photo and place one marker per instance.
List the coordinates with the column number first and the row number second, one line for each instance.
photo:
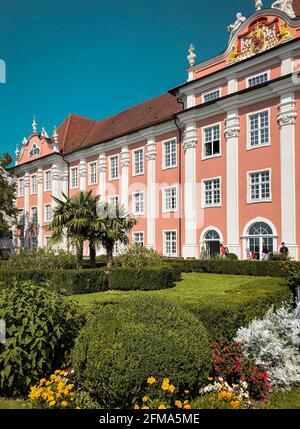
column 138, row 256
column 40, row 259
column 232, row 256
column 40, row 330
column 146, row 278
column 277, row 256
column 124, row 343
column 238, row 307
column 274, row 342
column 67, row 282
column 291, row 271
column 233, row 366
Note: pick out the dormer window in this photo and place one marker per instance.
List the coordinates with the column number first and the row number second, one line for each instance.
column 257, row 79
column 34, row 151
column 211, row 95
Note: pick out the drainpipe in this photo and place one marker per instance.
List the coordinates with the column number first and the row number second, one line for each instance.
column 180, row 101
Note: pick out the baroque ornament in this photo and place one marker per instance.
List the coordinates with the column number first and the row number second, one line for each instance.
column 285, row 6
column 191, row 56
column 232, row 28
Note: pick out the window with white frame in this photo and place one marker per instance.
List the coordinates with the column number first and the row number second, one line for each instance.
column 138, row 238
column 114, row 167
column 48, row 181
column 93, row 173
column 35, row 151
column 48, row 212
column 33, row 184
column 170, row 153
column 259, row 134
column 212, row 145
column 170, row 243
column 257, row 79
column 114, row 200
column 211, row 95
column 21, row 217
column 21, row 187
column 212, row 192
column 138, row 161
column 74, row 177
column 33, row 243
column 170, row 199
column 138, row 203
column 259, row 186
column 33, row 215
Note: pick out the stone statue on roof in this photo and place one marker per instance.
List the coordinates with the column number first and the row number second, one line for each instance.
column 285, row 6
column 232, row 28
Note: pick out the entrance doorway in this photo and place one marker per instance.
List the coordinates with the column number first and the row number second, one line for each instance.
column 260, row 235
column 212, row 243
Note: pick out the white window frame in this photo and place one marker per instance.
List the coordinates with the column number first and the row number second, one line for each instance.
column 21, row 214
column 138, row 242
column 256, row 75
column 91, row 183
column 46, row 219
column 173, row 255
column 261, row 200
column 138, row 213
column 33, row 191
column 219, row 124
column 21, row 194
column 75, row 167
column 249, row 147
column 115, row 197
column 118, row 166
column 210, row 92
column 204, row 205
column 37, row 243
column 164, row 207
column 164, row 142
column 31, row 208
column 46, row 188
column 134, row 173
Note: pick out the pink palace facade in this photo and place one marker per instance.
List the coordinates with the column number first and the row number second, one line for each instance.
column 215, row 160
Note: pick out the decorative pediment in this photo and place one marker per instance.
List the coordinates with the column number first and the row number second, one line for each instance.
column 262, row 34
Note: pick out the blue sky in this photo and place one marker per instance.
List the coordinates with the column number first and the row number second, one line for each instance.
column 98, row 57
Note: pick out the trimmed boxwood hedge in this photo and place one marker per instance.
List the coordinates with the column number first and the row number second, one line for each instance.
column 235, row 267
column 146, row 278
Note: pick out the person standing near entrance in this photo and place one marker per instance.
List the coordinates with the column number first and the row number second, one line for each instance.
column 222, row 251
column 265, row 254
column 203, row 252
column 283, row 249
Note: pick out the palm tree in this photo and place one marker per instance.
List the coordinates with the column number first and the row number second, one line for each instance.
column 113, row 225
column 74, row 217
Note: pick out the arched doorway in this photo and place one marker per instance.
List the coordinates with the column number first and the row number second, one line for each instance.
column 212, row 242
column 260, row 235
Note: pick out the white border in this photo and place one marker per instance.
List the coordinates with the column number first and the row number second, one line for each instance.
column 203, row 205
column 78, row 177
column 109, row 166
column 45, row 181
column 138, row 232
column 36, row 184
column 249, row 147
column 163, row 152
column 89, row 173
column 45, row 217
column 265, row 200
column 203, row 141
column 164, row 243
column 133, row 203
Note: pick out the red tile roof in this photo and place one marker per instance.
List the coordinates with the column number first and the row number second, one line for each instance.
column 296, row 5
column 76, row 132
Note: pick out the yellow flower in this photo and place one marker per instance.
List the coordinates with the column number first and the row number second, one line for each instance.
column 186, row 392
column 171, row 388
column 178, row 404
column 228, row 395
column 210, row 378
column 186, row 401
column 52, row 403
column 165, row 384
column 222, row 395
column 234, row 404
column 64, row 404
column 136, row 407
column 187, row 407
column 145, row 398
column 162, row 407
column 151, row 380
column 42, row 381
column 145, row 408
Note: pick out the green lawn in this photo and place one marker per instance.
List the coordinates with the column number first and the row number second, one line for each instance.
column 195, row 286
column 6, row 404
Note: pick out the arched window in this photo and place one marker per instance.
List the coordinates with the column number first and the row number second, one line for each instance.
column 211, row 235
column 260, row 236
column 34, row 151
column 212, row 242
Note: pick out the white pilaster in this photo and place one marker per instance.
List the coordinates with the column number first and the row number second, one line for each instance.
column 26, row 210
column 286, row 119
column 82, row 175
column 286, row 64
column 40, row 180
column 190, row 99
column 232, row 84
column 102, row 176
column 124, row 176
column 190, row 248
column 232, row 129
column 151, row 192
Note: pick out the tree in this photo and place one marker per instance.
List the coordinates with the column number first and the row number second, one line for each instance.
column 8, row 209
column 113, row 226
column 75, row 217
